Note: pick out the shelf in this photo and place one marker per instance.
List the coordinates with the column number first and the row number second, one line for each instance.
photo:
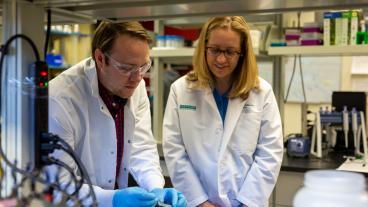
column 163, row 9
column 359, row 74
column 61, row 67
column 174, row 55
column 319, row 50
column 179, row 55
column 172, row 52
column 62, row 33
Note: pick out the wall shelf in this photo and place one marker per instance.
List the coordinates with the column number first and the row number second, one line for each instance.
column 320, row 50
column 174, row 55
column 359, row 74
column 172, row 52
column 185, row 52
column 82, row 10
column 62, row 33
column 61, row 67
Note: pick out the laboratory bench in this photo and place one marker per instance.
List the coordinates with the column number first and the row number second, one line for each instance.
column 292, row 172
column 302, row 164
column 291, row 175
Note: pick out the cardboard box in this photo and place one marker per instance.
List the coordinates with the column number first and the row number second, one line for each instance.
column 327, row 26
column 345, row 28
column 337, row 17
column 354, row 25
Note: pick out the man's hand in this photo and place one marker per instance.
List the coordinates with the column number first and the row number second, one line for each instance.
column 170, row 196
column 207, row 204
column 134, row 196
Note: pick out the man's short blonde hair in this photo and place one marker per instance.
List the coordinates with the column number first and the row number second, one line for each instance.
column 107, row 32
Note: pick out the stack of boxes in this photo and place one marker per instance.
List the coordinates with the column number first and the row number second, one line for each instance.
column 339, row 28
column 292, row 37
column 343, row 27
column 312, row 34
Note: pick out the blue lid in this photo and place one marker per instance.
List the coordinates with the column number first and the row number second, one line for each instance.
column 160, row 37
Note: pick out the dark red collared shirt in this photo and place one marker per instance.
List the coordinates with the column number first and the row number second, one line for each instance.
column 115, row 105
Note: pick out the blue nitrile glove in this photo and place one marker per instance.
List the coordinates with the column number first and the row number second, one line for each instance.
column 134, row 196
column 170, row 196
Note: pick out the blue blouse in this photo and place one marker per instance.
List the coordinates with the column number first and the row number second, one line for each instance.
column 221, row 102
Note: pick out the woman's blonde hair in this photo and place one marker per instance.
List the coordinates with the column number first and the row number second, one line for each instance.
column 245, row 76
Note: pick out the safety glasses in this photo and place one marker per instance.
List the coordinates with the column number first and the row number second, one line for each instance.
column 128, row 69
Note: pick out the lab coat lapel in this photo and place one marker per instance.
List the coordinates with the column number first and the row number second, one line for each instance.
column 129, row 125
column 210, row 100
column 233, row 112
column 91, row 73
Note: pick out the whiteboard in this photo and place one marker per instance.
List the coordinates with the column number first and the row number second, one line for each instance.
column 322, row 76
column 265, row 69
column 359, row 65
column 359, row 84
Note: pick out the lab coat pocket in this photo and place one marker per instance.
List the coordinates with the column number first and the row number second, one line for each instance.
column 246, row 134
column 191, row 118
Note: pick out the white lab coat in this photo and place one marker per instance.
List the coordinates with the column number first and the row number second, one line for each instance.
column 225, row 164
column 79, row 116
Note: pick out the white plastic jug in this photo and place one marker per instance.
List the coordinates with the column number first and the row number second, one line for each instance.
column 332, row 188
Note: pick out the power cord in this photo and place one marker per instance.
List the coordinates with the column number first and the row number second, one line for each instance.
column 48, row 32
column 50, row 142
column 3, row 75
column 46, row 149
column 297, row 57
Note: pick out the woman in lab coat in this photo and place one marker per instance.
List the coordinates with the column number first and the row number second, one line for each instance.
column 222, row 135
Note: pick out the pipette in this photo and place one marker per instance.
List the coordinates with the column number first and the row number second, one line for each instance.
column 345, row 119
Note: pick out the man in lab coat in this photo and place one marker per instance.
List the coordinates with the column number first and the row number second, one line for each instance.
column 100, row 107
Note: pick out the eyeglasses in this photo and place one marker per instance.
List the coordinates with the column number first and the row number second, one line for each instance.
column 229, row 54
column 128, row 69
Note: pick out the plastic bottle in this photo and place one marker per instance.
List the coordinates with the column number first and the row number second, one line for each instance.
column 327, row 188
column 161, row 41
column 170, row 41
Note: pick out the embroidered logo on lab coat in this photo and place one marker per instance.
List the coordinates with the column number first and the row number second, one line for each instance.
column 247, row 108
column 187, row 107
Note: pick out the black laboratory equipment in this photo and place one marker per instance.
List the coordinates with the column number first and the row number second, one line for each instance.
column 24, row 191
column 349, row 100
